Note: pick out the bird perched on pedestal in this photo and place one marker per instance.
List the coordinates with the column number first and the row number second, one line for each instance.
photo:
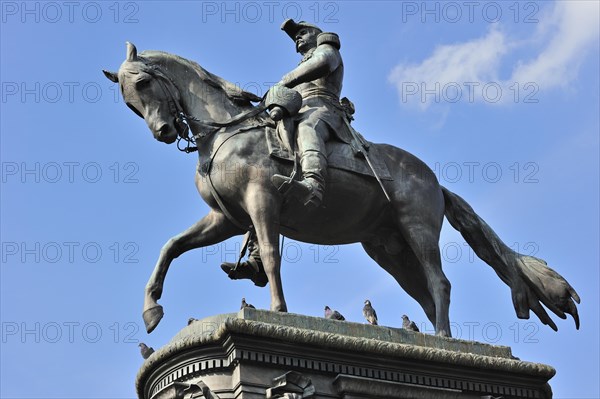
column 145, row 350
column 409, row 325
column 191, row 320
column 370, row 313
column 246, row 304
column 333, row 314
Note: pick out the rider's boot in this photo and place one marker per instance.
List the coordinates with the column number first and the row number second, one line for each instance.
column 312, row 186
column 251, row 269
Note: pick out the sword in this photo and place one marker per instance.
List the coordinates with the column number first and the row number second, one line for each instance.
column 364, row 154
column 359, row 147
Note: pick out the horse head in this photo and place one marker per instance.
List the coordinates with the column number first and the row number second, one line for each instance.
column 150, row 85
column 149, row 93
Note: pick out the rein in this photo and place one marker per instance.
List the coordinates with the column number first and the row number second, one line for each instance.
column 182, row 119
column 183, row 131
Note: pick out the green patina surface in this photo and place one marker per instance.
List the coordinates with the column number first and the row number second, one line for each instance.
column 358, row 330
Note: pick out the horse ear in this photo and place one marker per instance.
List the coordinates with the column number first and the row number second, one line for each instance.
column 131, row 52
column 112, row 76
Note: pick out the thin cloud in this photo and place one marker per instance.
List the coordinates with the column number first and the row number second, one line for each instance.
column 474, row 61
column 575, row 30
column 469, row 71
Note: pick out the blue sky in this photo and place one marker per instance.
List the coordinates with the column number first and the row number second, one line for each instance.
column 501, row 99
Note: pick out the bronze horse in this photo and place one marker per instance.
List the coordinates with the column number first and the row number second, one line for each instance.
column 400, row 235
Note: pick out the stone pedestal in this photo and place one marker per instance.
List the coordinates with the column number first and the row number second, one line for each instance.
column 260, row 354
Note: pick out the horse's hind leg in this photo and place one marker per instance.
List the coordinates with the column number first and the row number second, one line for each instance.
column 406, row 269
column 422, row 234
column 211, row 229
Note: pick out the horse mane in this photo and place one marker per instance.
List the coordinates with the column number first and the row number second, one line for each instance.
column 231, row 90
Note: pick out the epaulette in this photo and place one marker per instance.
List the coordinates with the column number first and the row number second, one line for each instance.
column 329, row 38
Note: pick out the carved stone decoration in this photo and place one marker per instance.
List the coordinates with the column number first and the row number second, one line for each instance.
column 246, row 355
column 182, row 390
column 199, row 387
column 291, row 385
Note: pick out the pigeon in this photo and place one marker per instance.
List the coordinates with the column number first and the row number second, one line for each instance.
column 409, row 325
column 333, row 314
column 191, row 320
column 370, row 313
column 145, row 350
column 246, row 305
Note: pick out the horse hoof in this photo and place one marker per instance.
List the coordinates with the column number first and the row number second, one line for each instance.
column 152, row 317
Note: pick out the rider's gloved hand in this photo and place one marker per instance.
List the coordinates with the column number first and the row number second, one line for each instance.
column 282, row 101
column 277, row 113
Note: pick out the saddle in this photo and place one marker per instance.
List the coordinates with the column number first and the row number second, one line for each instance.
column 340, row 155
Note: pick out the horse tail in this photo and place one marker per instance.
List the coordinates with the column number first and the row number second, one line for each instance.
column 530, row 279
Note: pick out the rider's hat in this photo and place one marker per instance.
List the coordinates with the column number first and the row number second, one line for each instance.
column 291, row 27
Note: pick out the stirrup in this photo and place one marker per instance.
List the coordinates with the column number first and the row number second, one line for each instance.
column 284, row 184
column 309, row 194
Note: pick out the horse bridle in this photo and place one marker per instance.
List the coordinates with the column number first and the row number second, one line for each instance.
column 181, row 117
column 183, row 130
column 175, row 109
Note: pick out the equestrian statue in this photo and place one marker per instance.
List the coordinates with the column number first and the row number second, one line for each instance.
column 293, row 165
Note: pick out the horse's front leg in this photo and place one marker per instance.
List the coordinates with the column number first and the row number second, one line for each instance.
column 265, row 216
column 211, row 229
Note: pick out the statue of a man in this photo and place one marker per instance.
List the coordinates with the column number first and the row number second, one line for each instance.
column 318, row 78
